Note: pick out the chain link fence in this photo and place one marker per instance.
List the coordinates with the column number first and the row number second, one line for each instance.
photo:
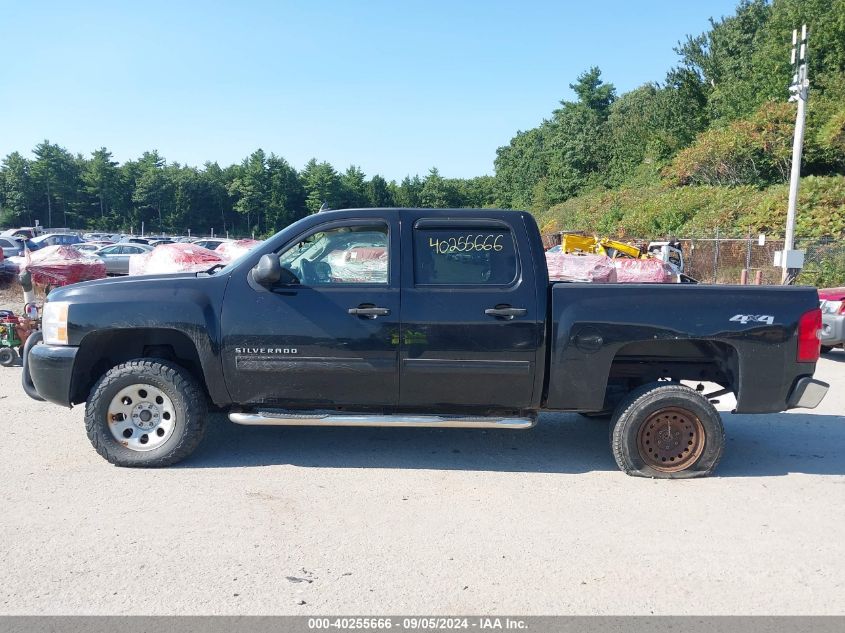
column 722, row 260
column 734, row 260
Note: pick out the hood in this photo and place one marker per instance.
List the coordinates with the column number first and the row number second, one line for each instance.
column 129, row 284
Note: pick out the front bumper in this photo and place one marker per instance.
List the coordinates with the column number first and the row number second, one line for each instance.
column 51, row 370
column 833, row 329
column 807, row 393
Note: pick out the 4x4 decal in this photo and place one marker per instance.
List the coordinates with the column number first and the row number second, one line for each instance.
column 753, row 318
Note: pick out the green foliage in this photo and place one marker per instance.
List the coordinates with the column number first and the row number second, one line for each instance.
column 436, row 192
column 697, row 211
column 409, row 192
column 593, row 93
column 826, row 269
column 721, row 117
column 753, row 151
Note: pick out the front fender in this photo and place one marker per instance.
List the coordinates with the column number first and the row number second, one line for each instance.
column 102, row 312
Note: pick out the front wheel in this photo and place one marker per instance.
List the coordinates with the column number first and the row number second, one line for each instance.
column 8, row 356
column 667, row 431
column 827, row 349
column 145, row 413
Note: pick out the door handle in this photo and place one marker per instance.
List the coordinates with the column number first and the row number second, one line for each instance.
column 506, row 312
column 370, row 312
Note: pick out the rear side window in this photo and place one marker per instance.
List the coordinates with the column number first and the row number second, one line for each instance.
column 472, row 256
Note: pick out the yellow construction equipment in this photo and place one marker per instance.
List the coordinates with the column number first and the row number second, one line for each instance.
column 574, row 243
column 669, row 251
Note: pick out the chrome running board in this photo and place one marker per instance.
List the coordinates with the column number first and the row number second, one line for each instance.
column 286, row 418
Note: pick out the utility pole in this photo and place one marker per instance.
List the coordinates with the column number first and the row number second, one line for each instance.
column 791, row 260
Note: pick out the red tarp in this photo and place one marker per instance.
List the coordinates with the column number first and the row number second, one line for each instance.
column 589, row 268
column 644, row 271
column 174, row 258
column 63, row 265
column 232, row 250
column 603, row 269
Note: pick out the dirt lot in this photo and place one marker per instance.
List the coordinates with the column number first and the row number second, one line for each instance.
column 301, row 521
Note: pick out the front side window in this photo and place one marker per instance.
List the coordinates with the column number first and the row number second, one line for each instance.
column 355, row 254
column 459, row 256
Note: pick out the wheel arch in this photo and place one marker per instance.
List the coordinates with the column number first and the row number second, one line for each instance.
column 101, row 350
column 702, row 360
column 675, row 352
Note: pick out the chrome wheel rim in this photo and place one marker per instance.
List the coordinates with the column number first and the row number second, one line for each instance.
column 141, row 417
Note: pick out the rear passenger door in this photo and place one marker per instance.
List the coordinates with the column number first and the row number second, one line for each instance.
column 470, row 320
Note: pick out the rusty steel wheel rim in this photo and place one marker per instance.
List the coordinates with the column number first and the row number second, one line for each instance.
column 671, row 439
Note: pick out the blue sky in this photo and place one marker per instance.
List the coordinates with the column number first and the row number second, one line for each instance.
column 395, row 87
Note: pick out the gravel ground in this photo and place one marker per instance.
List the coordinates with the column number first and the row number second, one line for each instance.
column 391, row 521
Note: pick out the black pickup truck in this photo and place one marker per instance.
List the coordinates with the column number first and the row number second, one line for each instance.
column 419, row 317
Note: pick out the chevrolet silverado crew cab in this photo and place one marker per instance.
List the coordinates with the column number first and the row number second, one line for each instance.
column 419, row 317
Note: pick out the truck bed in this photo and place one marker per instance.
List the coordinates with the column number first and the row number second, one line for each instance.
column 599, row 330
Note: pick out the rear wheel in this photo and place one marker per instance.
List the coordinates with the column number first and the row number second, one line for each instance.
column 667, row 431
column 145, row 413
column 827, row 349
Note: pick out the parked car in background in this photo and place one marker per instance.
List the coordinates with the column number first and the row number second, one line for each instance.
column 117, row 256
column 210, row 243
column 832, row 303
column 91, row 247
column 27, row 232
column 131, row 239
column 97, row 237
column 57, row 239
column 23, row 242
column 160, row 242
column 11, row 246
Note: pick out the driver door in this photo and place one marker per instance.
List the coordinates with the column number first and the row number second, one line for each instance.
column 330, row 340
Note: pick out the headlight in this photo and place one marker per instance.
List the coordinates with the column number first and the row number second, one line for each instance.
column 54, row 322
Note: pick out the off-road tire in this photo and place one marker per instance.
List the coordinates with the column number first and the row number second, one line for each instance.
column 640, row 405
column 8, row 356
column 187, row 396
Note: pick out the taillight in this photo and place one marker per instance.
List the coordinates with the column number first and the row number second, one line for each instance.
column 809, row 343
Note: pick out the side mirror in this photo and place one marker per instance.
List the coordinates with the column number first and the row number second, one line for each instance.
column 268, row 272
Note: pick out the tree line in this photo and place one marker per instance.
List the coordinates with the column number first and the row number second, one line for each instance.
column 720, row 117
column 260, row 195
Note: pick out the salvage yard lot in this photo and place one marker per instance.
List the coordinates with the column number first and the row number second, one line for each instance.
column 302, row 520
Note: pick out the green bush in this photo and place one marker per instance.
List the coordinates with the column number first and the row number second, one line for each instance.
column 751, row 151
column 697, row 211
